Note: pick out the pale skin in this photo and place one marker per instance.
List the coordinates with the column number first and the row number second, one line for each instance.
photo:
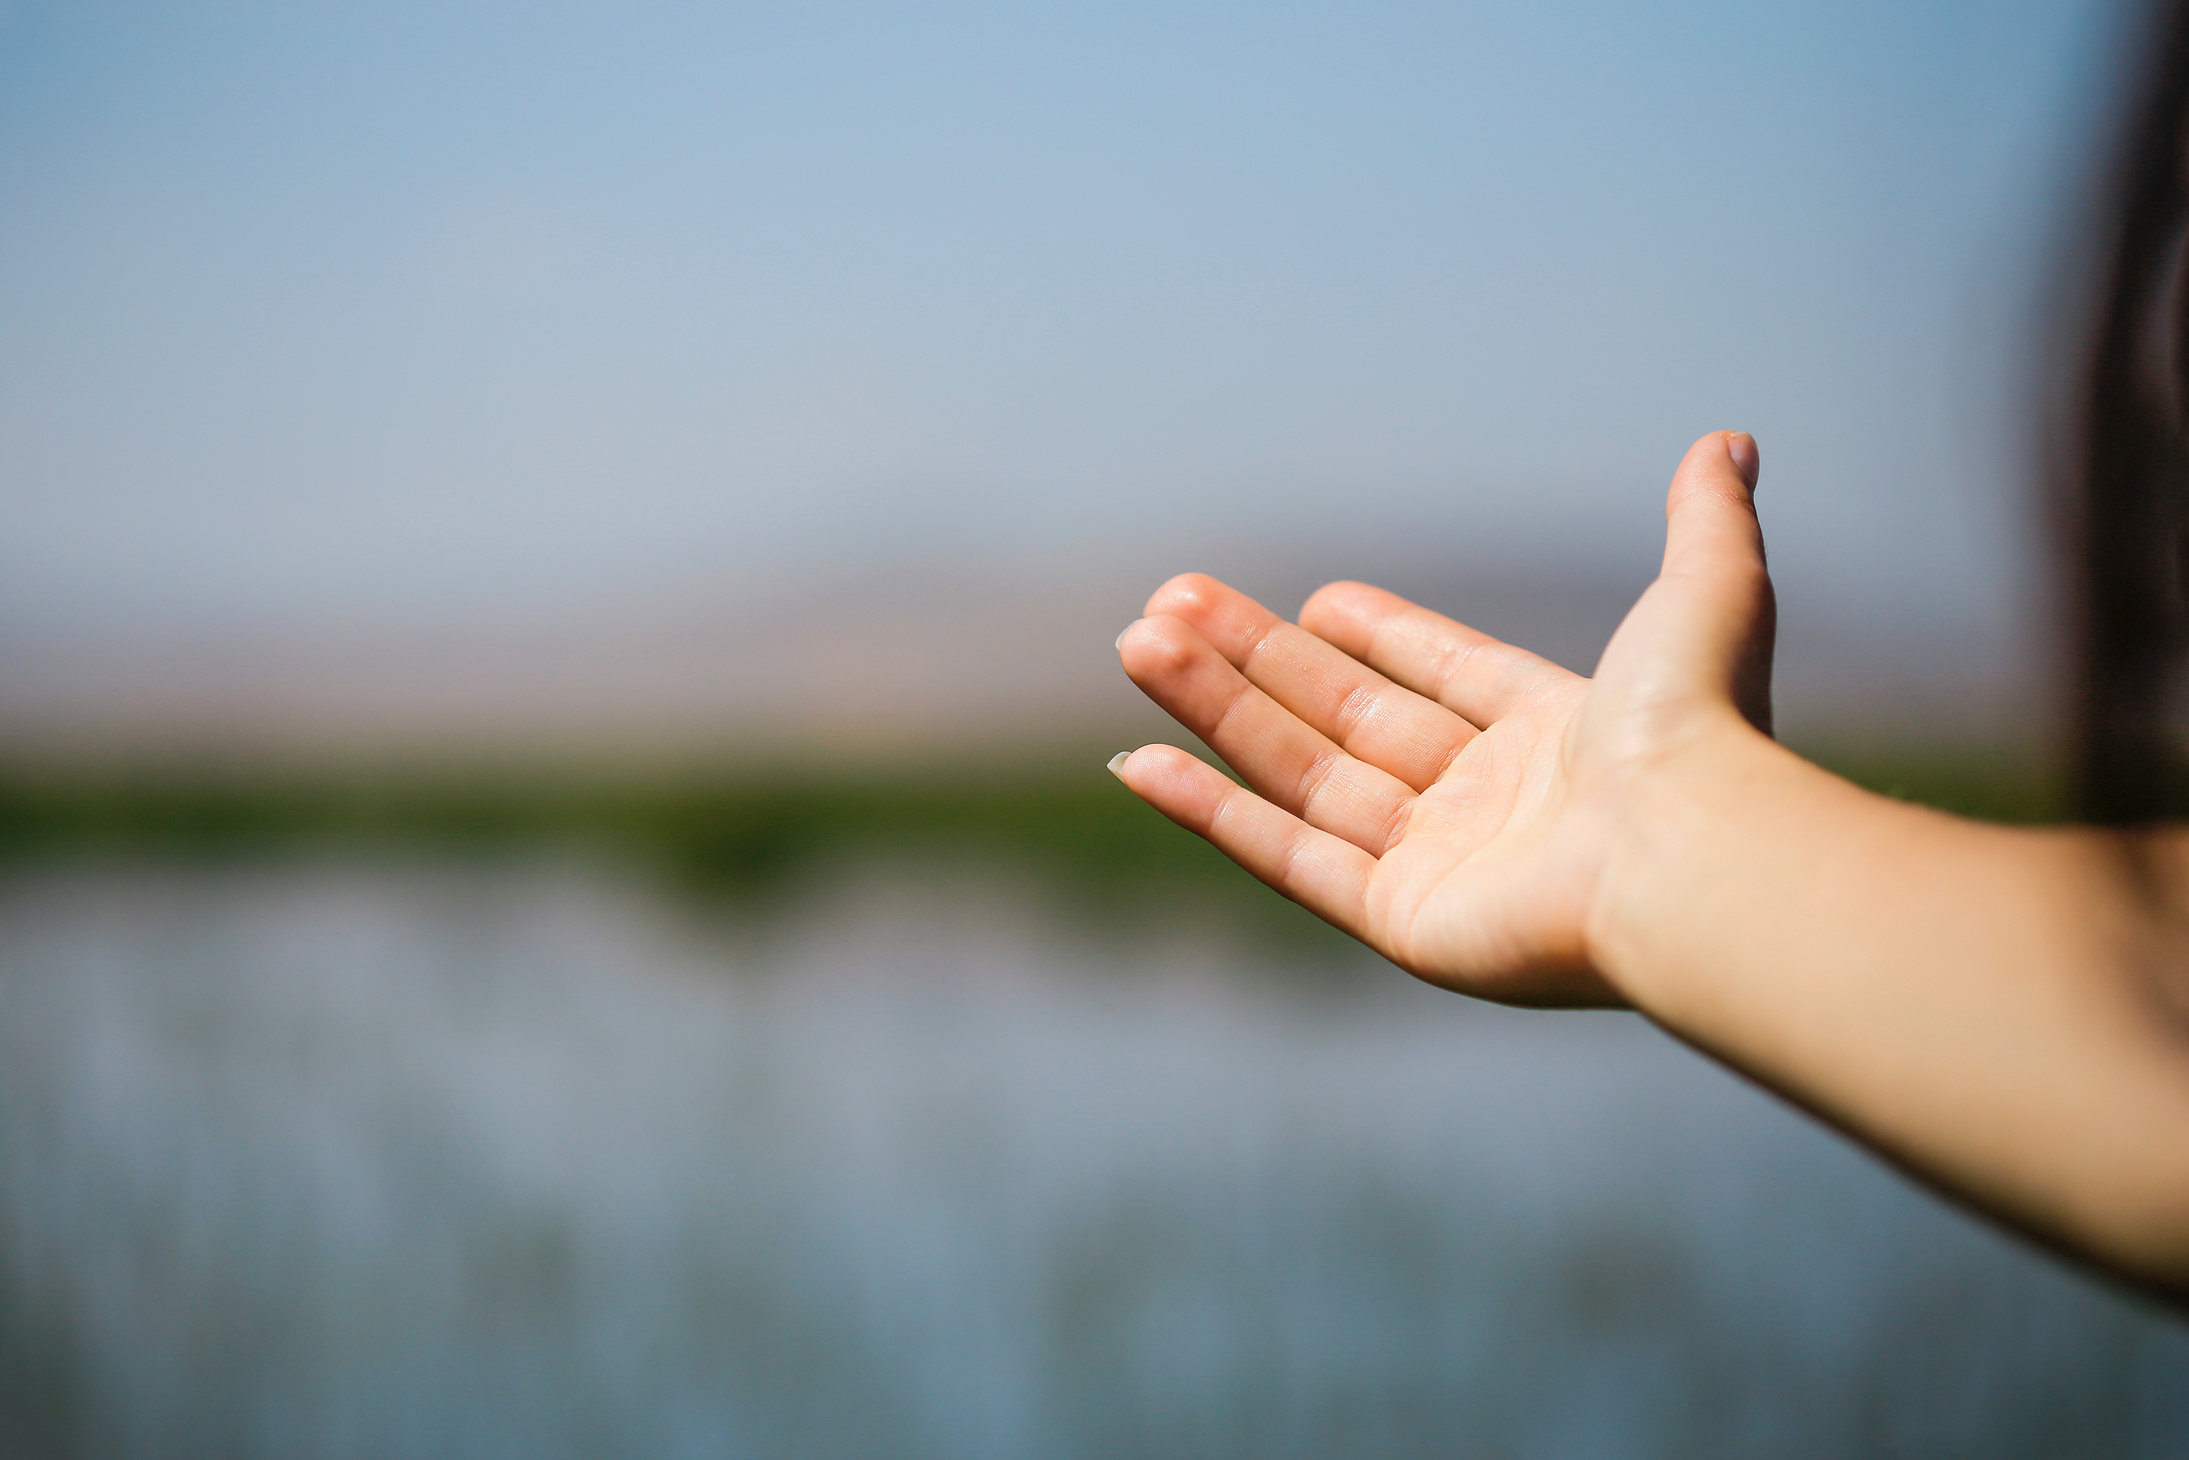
column 2004, row 1013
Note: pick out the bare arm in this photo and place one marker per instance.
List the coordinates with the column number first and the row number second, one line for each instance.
column 1996, row 1010
column 1988, row 1007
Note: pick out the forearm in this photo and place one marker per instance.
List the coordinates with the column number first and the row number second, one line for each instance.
column 1984, row 1005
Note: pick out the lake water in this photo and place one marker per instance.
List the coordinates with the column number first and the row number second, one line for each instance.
column 527, row 1160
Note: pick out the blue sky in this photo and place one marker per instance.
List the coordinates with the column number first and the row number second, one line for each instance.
column 322, row 312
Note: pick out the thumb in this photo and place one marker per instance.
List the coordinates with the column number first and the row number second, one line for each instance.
column 1714, row 564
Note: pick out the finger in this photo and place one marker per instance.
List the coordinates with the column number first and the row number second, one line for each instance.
column 1471, row 674
column 1375, row 720
column 1323, row 873
column 1710, row 510
column 1715, row 575
column 1282, row 758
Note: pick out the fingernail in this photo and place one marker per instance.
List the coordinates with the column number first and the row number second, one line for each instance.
column 1746, row 459
column 1117, row 763
column 1121, row 633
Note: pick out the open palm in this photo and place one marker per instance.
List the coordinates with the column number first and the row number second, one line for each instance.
column 1446, row 798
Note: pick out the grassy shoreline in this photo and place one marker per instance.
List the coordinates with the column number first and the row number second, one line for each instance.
column 747, row 837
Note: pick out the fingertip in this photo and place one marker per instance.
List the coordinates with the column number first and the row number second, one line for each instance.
column 1710, row 513
column 1121, row 633
column 1159, row 647
column 1181, row 594
column 1162, row 775
column 1332, row 593
column 1747, row 460
column 1721, row 465
column 1334, row 603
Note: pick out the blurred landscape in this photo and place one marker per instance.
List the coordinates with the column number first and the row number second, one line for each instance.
column 558, row 891
column 558, row 1055
column 744, row 751
column 433, row 1159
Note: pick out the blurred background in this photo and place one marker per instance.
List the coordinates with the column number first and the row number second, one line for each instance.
column 558, row 894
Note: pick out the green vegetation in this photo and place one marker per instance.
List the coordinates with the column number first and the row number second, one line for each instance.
column 743, row 841
column 737, row 835
column 2012, row 786
column 751, row 838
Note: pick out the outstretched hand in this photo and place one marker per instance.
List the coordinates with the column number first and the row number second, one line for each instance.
column 1453, row 801
column 1988, row 1006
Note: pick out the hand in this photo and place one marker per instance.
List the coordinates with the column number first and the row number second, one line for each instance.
column 1453, row 801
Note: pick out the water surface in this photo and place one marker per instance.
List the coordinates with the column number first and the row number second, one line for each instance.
column 362, row 1160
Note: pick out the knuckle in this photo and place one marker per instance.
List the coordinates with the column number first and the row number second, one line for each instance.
column 1355, row 710
column 1395, row 825
column 1454, row 662
column 1223, row 814
column 1253, row 639
column 1235, row 703
column 1316, row 776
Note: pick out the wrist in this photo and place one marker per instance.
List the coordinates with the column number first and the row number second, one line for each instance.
column 1681, row 826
